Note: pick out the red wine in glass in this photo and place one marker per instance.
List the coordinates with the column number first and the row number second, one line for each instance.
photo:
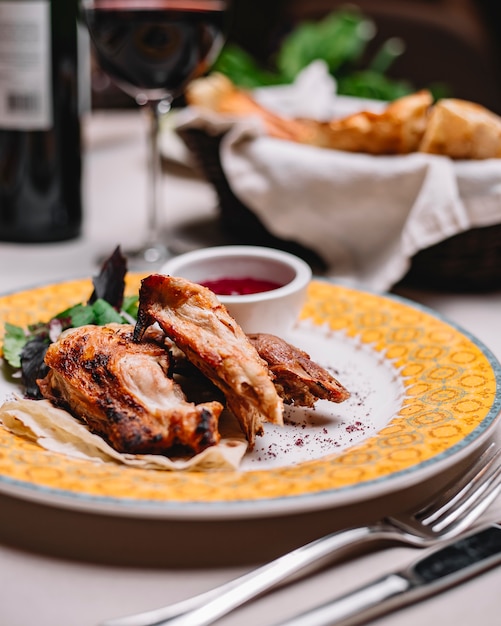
column 152, row 49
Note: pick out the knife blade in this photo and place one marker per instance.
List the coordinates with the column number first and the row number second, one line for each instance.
column 437, row 570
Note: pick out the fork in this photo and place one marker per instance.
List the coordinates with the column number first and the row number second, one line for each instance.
column 448, row 515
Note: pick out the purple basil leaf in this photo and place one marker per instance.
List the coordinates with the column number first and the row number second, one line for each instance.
column 33, row 366
column 109, row 285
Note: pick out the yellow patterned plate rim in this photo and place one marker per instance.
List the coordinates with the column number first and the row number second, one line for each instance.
column 434, row 398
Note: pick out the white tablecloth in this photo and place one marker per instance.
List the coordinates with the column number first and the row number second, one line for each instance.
column 62, row 568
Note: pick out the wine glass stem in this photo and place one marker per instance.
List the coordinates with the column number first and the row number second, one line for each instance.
column 155, row 109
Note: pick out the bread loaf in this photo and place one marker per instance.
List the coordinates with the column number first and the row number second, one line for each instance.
column 462, row 130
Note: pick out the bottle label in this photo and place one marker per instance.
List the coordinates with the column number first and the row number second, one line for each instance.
column 25, row 65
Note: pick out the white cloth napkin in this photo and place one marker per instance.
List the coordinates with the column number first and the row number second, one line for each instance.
column 365, row 215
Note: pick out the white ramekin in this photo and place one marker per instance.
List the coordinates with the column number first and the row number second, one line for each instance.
column 272, row 311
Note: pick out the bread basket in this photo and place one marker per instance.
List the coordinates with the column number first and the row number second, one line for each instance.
column 467, row 262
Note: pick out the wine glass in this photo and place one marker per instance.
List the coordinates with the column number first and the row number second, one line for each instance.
column 152, row 49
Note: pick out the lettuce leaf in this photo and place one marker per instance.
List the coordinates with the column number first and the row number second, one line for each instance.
column 14, row 341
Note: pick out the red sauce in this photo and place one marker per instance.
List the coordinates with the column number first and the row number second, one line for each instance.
column 239, row 286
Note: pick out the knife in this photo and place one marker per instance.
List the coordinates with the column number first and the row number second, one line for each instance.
column 437, row 570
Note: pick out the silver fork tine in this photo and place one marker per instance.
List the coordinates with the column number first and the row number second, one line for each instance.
column 466, row 500
column 472, row 505
column 459, row 505
column 455, row 499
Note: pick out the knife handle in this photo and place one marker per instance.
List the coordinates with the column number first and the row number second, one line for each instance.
column 450, row 563
column 357, row 604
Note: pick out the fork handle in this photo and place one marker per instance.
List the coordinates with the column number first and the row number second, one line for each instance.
column 207, row 607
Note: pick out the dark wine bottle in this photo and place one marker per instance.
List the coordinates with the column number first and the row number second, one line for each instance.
column 40, row 109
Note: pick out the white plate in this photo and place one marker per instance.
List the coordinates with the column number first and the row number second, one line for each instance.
column 424, row 395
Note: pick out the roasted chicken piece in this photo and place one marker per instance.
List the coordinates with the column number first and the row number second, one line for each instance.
column 194, row 319
column 298, row 379
column 121, row 390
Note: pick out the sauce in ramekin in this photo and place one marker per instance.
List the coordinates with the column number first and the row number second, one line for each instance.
column 240, row 286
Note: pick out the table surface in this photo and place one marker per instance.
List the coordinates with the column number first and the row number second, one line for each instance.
column 63, row 568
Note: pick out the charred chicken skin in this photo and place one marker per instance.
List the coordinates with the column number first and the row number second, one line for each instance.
column 298, row 379
column 194, row 319
column 122, row 391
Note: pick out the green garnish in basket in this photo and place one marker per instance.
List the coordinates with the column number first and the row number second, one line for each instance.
column 340, row 39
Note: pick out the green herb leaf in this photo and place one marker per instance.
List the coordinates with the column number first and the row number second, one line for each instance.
column 14, row 341
column 243, row 70
column 130, row 306
column 369, row 84
column 78, row 315
column 339, row 39
column 104, row 313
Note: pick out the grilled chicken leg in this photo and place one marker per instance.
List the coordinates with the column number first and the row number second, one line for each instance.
column 121, row 390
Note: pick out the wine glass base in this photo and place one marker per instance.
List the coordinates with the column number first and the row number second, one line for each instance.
column 150, row 257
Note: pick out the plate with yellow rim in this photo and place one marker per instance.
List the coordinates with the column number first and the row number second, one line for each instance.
column 424, row 394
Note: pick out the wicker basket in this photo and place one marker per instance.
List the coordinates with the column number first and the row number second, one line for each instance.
column 467, row 262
